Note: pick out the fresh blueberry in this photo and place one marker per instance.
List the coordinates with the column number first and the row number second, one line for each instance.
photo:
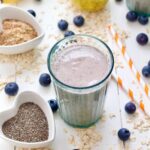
column 142, row 39
column 149, row 63
column 11, row 89
column 63, row 25
column 132, row 16
column 146, row 71
column 53, row 104
column 45, row 79
column 130, row 108
column 124, row 134
column 68, row 33
column 32, row 12
column 143, row 20
column 78, row 21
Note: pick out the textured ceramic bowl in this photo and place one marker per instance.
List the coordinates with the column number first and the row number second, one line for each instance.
column 12, row 12
column 28, row 96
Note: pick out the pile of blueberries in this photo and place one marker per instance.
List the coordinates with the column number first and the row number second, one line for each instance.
column 12, row 89
column 141, row 38
column 63, row 25
column 132, row 16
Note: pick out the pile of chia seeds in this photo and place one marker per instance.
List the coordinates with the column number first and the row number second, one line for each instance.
column 29, row 125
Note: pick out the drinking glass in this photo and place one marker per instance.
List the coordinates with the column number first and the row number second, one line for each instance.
column 80, row 106
column 140, row 6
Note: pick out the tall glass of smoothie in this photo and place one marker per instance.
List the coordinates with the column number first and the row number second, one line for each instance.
column 80, row 67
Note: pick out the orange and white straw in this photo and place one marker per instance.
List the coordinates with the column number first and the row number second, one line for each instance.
column 143, row 104
column 122, row 47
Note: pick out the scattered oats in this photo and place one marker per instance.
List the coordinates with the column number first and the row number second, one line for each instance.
column 65, row 130
column 71, row 140
column 138, row 124
column 112, row 115
column 133, row 139
column 88, row 138
column 124, row 34
column 94, row 20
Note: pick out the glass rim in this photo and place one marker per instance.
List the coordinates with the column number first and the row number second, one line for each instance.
column 53, row 49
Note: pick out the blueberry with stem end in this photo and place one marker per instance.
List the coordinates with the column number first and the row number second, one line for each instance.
column 53, row 104
column 78, row 21
column 142, row 39
column 130, row 108
column 63, row 25
column 143, row 20
column 124, row 134
column 146, row 71
column 11, row 89
column 45, row 79
column 131, row 16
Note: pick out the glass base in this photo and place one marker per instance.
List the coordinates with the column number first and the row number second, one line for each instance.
column 81, row 126
column 132, row 7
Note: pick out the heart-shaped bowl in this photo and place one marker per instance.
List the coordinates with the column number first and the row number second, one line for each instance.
column 12, row 12
column 24, row 97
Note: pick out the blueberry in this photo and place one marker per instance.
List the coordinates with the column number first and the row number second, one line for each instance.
column 149, row 63
column 53, row 104
column 146, row 71
column 130, row 108
column 142, row 39
column 143, row 20
column 62, row 25
column 32, row 12
column 124, row 134
column 11, row 89
column 45, row 79
column 68, row 33
column 132, row 16
column 78, row 21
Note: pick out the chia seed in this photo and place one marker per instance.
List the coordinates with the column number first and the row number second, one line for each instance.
column 29, row 125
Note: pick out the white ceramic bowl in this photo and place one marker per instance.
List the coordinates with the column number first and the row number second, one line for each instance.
column 28, row 96
column 12, row 12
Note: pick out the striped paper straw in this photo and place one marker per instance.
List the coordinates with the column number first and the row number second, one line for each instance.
column 136, row 73
column 143, row 104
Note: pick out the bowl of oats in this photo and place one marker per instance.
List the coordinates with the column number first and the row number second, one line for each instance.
column 29, row 123
column 20, row 31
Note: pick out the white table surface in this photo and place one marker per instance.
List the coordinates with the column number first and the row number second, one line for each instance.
column 114, row 117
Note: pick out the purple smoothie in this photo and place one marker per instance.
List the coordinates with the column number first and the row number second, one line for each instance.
column 80, row 66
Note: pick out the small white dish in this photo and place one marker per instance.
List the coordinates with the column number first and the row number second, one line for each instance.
column 12, row 12
column 28, row 96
